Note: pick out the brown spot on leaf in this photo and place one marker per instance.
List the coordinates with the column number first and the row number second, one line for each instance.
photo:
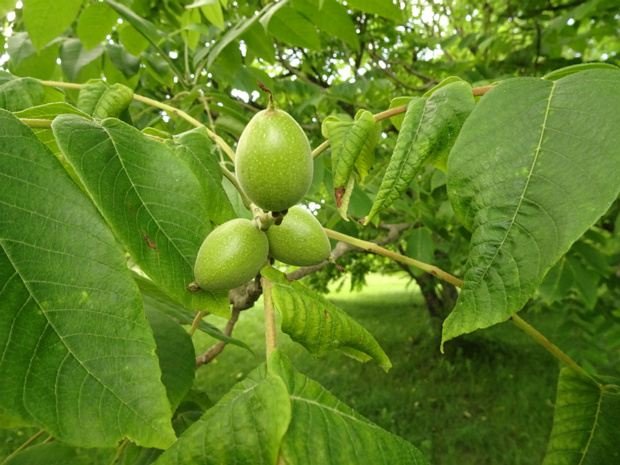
column 326, row 314
column 339, row 193
column 149, row 242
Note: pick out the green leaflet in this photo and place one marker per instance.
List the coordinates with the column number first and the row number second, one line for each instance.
column 397, row 120
column 96, row 21
column 50, row 111
column 45, row 20
column 245, row 427
column 536, row 164
column 346, row 197
column 586, row 424
column 568, row 70
column 195, row 148
column 347, row 140
column 366, row 158
column 19, row 93
column 325, row 431
column 176, row 355
column 319, row 325
column 101, row 100
column 67, row 298
column 150, row 198
column 420, row 246
column 428, row 132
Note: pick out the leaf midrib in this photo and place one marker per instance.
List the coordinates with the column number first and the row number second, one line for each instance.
column 69, row 350
column 522, row 196
column 595, row 424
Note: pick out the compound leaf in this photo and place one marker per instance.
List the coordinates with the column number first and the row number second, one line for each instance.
column 347, row 140
column 150, row 198
column 324, row 431
column 428, row 132
column 536, row 164
column 319, row 325
column 586, row 423
column 78, row 354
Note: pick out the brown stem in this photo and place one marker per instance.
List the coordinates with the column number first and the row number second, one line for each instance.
column 219, row 346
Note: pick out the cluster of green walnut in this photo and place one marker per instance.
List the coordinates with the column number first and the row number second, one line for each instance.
column 274, row 168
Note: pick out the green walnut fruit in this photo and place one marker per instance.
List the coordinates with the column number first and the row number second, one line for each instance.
column 300, row 240
column 274, row 161
column 230, row 256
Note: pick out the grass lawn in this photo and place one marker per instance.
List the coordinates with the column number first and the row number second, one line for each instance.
column 488, row 400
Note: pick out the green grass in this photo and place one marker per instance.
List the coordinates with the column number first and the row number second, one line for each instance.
column 488, row 400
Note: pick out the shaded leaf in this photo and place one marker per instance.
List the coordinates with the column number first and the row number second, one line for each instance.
column 102, row 100
column 19, row 93
column 150, row 198
column 420, row 246
column 45, row 20
column 366, row 158
column 196, row 149
column 128, row 64
column 323, row 430
column 397, row 120
column 50, row 453
column 557, row 282
column 318, row 325
column 586, row 282
column 535, row 165
column 68, row 298
column 428, row 133
column 155, row 298
column 347, row 140
column 175, row 351
column 586, row 423
column 95, row 23
column 245, row 427
column 74, row 57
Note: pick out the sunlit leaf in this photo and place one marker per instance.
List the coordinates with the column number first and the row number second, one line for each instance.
column 150, row 198
column 79, row 355
column 535, row 165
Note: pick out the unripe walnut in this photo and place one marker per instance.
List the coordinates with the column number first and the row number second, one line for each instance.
column 300, row 240
column 274, row 161
column 230, row 256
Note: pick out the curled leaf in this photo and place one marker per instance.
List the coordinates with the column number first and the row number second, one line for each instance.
column 319, row 325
